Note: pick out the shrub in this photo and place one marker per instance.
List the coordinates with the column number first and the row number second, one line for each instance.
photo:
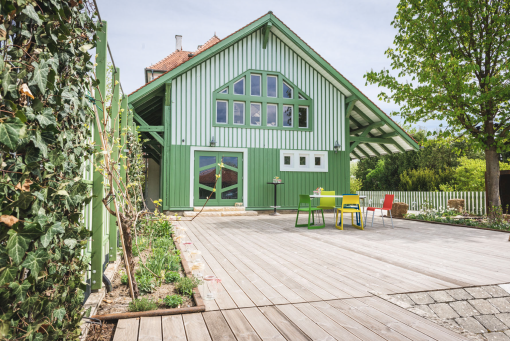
column 185, row 285
column 173, row 301
column 123, row 278
column 142, row 304
column 145, row 283
column 172, row 277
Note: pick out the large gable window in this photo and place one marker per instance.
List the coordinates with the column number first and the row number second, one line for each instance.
column 263, row 100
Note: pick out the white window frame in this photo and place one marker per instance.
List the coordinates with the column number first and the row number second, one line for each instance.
column 267, row 85
column 234, row 113
column 224, row 91
column 291, row 91
column 283, row 116
column 244, row 87
column 307, row 116
column 276, row 113
column 216, row 113
column 260, row 82
column 260, row 111
column 310, row 161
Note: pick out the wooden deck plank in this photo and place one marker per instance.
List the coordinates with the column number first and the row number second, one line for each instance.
column 218, row 327
column 127, row 330
column 196, row 329
column 240, row 325
column 261, row 325
column 310, row 328
column 173, row 328
column 283, row 324
column 150, row 329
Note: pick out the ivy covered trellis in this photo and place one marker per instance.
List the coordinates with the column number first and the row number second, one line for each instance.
column 52, row 137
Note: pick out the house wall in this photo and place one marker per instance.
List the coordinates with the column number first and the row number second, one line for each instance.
column 192, row 116
column 153, row 184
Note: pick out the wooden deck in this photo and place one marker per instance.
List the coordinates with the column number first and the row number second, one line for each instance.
column 285, row 283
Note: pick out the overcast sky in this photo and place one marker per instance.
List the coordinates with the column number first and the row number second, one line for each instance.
column 350, row 35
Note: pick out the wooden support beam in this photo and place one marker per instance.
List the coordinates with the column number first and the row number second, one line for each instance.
column 373, row 140
column 372, row 149
column 366, row 129
column 351, row 98
column 142, row 123
column 356, row 154
column 354, row 145
column 123, row 127
column 363, row 152
column 151, row 129
column 98, row 221
column 267, row 29
column 165, row 158
column 388, row 135
column 115, row 124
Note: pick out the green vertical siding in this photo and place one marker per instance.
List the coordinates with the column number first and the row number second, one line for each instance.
column 263, row 165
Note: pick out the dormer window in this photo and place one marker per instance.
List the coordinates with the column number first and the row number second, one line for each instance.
column 263, row 100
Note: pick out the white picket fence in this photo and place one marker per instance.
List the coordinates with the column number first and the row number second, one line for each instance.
column 474, row 201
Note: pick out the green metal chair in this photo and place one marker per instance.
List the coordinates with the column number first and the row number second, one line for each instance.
column 304, row 199
column 326, row 203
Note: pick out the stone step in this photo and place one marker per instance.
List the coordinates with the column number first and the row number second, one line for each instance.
column 219, row 209
column 221, row 213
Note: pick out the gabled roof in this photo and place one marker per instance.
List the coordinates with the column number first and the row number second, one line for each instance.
column 178, row 57
column 364, row 107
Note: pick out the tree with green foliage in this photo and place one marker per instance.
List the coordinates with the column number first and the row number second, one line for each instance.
column 453, row 62
column 45, row 121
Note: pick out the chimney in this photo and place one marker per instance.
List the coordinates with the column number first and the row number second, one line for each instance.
column 178, row 42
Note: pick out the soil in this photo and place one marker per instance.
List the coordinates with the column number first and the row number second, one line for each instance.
column 117, row 301
column 103, row 332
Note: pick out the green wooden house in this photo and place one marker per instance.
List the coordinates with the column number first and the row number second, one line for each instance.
column 266, row 104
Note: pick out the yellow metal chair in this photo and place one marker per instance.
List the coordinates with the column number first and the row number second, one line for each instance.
column 349, row 202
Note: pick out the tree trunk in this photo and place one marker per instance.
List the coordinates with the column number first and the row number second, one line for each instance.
column 128, row 257
column 492, row 182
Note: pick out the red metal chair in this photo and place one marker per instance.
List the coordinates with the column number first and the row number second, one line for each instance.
column 388, row 203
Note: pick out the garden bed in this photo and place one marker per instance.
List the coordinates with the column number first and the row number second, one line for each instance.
column 476, row 222
column 116, row 304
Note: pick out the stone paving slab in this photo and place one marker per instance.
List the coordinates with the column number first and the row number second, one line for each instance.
column 478, row 292
column 498, row 336
column 491, row 323
column 496, row 291
column 464, row 309
column 421, row 298
column 460, row 294
column 470, row 324
column 425, row 308
column 403, row 298
column 483, row 307
column 443, row 310
column 501, row 303
column 441, row 296
column 505, row 318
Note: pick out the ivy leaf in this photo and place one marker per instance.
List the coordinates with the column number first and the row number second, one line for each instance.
column 24, row 200
column 71, row 243
column 32, row 14
column 40, row 143
column 11, row 132
column 59, row 314
column 7, row 275
column 40, row 76
column 17, row 245
column 52, row 231
column 7, row 79
column 46, row 118
column 35, row 261
column 20, row 290
column 3, row 256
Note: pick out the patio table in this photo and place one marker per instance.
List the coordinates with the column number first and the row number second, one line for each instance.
column 362, row 197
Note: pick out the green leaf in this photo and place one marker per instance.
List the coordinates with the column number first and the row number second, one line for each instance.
column 71, row 243
column 7, row 275
column 40, row 143
column 7, row 79
column 52, row 231
column 85, row 47
column 16, row 247
column 40, row 76
column 20, row 290
column 11, row 132
column 46, row 118
column 62, row 192
column 59, row 314
column 35, row 261
column 24, row 200
column 32, row 14
column 21, row 115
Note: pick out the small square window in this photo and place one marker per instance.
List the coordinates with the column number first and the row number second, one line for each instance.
column 255, row 85
column 286, row 160
column 239, row 87
column 318, row 160
column 302, row 160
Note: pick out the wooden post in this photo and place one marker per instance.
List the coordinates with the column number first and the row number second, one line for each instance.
column 165, row 150
column 123, row 127
column 98, row 212
column 115, row 158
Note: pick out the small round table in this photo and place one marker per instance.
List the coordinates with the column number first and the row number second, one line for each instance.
column 275, row 183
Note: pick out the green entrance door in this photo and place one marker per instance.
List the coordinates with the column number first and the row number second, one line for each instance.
column 229, row 188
